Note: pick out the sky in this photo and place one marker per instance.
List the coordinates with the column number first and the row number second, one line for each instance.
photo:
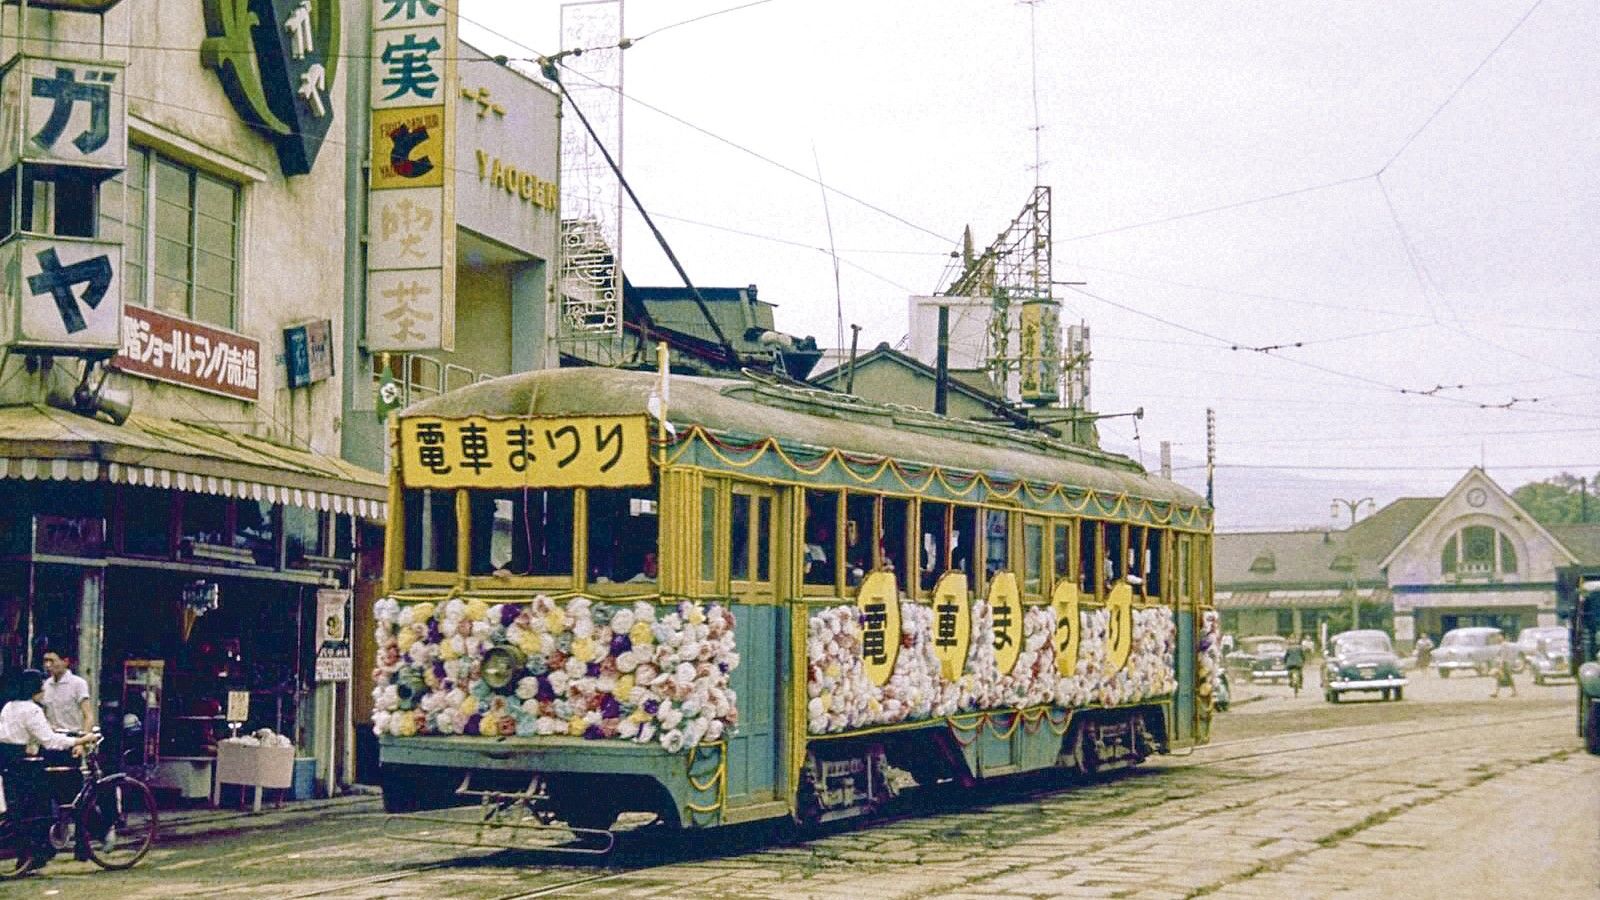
column 1363, row 232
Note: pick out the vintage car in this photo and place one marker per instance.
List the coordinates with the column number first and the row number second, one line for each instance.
column 1361, row 661
column 1547, row 652
column 1261, row 656
column 1470, row 649
column 1528, row 643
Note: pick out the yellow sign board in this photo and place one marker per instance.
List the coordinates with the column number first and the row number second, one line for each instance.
column 952, row 624
column 1119, row 635
column 1064, row 603
column 1006, row 606
column 483, row 452
column 408, row 147
column 879, row 603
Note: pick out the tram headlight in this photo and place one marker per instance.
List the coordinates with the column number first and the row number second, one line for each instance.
column 501, row 666
column 1589, row 678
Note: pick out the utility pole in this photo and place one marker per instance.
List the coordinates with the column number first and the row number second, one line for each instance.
column 1211, row 457
column 1166, row 460
column 850, row 373
column 1355, row 596
column 1352, row 505
column 941, row 371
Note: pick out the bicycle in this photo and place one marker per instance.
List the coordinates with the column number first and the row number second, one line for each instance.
column 111, row 821
column 1296, row 679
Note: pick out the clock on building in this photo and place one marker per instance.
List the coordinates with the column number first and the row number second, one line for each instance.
column 1477, row 497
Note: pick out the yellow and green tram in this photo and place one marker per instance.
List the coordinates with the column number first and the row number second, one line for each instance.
column 726, row 600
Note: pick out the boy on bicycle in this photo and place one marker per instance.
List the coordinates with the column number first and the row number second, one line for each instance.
column 1294, row 662
column 23, row 731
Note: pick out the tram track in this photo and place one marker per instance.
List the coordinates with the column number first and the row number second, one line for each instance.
column 957, row 802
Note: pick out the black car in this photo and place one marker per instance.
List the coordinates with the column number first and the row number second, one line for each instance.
column 1361, row 661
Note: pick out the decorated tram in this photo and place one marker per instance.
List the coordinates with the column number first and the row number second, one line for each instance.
column 723, row 600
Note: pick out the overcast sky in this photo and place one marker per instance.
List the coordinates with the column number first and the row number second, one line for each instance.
column 1433, row 167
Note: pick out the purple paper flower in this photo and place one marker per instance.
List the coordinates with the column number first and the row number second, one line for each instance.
column 651, row 705
column 438, row 670
column 472, row 724
column 592, row 670
column 434, row 634
column 620, row 644
column 593, row 733
column 610, row 708
column 546, row 692
column 508, row 614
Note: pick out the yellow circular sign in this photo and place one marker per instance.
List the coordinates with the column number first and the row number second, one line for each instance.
column 1006, row 606
column 879, row 603
column 1119, row 636
column 1064, row 603
column 952, row 624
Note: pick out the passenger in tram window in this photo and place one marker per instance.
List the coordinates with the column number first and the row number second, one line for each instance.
column 821, row 545
column 818, row 543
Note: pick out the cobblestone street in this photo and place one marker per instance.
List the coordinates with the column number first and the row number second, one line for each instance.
column 1447, row 793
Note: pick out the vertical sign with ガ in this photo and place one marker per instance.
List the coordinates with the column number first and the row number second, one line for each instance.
column 952, row 624
column 1069, row 630
column 411, row 227
column 879, row 604
column 1119, row 634
column 1005, row 604
column 66, row 112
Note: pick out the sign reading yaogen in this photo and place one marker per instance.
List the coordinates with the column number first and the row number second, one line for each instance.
column 479, row 451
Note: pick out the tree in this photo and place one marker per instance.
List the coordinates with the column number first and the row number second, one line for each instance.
column 1559, row 500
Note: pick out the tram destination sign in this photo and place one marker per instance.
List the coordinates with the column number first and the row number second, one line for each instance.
column 485, row 452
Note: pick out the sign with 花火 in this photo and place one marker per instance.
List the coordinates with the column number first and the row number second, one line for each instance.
column 485, row 452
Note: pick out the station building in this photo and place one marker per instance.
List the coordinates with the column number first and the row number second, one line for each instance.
column 1420, row 565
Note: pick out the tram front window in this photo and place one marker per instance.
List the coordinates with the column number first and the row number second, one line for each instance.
column 430, row 536
column 963, row 538
column 933, row 545
column 622, row 535
column 521, row 532
column 892, row 539
column 859, row 511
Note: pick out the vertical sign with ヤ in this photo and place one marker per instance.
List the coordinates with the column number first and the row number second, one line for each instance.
column 68, row 294
column 411, row 203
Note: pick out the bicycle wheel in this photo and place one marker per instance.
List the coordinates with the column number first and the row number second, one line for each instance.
column 15, row 860
column 118, row 822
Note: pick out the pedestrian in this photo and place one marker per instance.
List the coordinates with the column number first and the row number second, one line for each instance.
column 66, row 696
column 23, row 732
column 1502, row 669
column 1424, row 653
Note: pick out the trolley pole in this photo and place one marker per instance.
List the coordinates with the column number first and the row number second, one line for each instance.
column 1211, row 457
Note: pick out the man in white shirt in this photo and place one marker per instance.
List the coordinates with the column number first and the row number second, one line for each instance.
column 66, row 696
column 24, row 731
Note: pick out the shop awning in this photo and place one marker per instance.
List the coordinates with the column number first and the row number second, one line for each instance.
column 46, row 444
column 1308, row 599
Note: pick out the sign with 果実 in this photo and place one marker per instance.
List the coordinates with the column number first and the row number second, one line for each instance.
column 159, row 346
column 65, row 112
column 66, row 294
column 411, row 228
column 483, row 452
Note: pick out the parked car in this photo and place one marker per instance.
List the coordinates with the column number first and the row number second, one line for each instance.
column 1550, row 657
column 1261, row 656
column 1361, row 661
column 1468, row 649
column 1528, row 642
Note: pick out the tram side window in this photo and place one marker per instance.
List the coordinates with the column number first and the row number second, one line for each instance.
column 822, row 544
column 1136, row 559
column 859, row 512
column 996, row 541
column 1115, row 559
column 708, row 534
column 892, row 539
column 1184, row 543
column 1063, row 550
column 520, row 532
column 1154, row 574
column 933, row 543
column 1088, row 574
column 430, row 530
column 622, row 535
column 1032, row 557
column 963, row 538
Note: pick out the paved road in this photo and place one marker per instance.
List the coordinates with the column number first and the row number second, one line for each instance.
column 1445, row 794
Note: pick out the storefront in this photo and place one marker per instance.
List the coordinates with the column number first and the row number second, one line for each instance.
column 182, row 567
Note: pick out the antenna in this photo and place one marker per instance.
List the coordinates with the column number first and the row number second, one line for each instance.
column 838, row 295
column 1033, row 58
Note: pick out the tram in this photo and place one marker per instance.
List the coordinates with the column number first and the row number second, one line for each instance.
column 1578, row 601
column 726, row 600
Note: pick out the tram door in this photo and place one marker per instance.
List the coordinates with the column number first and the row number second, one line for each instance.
column 753, row 581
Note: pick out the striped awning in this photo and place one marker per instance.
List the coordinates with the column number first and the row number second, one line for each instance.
column 1302, row 599
column 39, row 443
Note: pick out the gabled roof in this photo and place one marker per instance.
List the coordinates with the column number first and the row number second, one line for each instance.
column 883, row 353
column 1317, row 557
column 1478, row 476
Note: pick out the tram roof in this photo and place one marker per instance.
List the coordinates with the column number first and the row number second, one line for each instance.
column 798, row 416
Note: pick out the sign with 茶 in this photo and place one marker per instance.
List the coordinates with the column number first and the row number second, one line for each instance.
column 411, row 228
column 1005, row 604
column 879, row 604
column 159, row 346
column 952, row 624
column 1069, row 630
column 333, row 635
column 485, row 452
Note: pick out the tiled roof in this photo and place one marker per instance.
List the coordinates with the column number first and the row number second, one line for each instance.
column 1263, row 559
column 1582, row 540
